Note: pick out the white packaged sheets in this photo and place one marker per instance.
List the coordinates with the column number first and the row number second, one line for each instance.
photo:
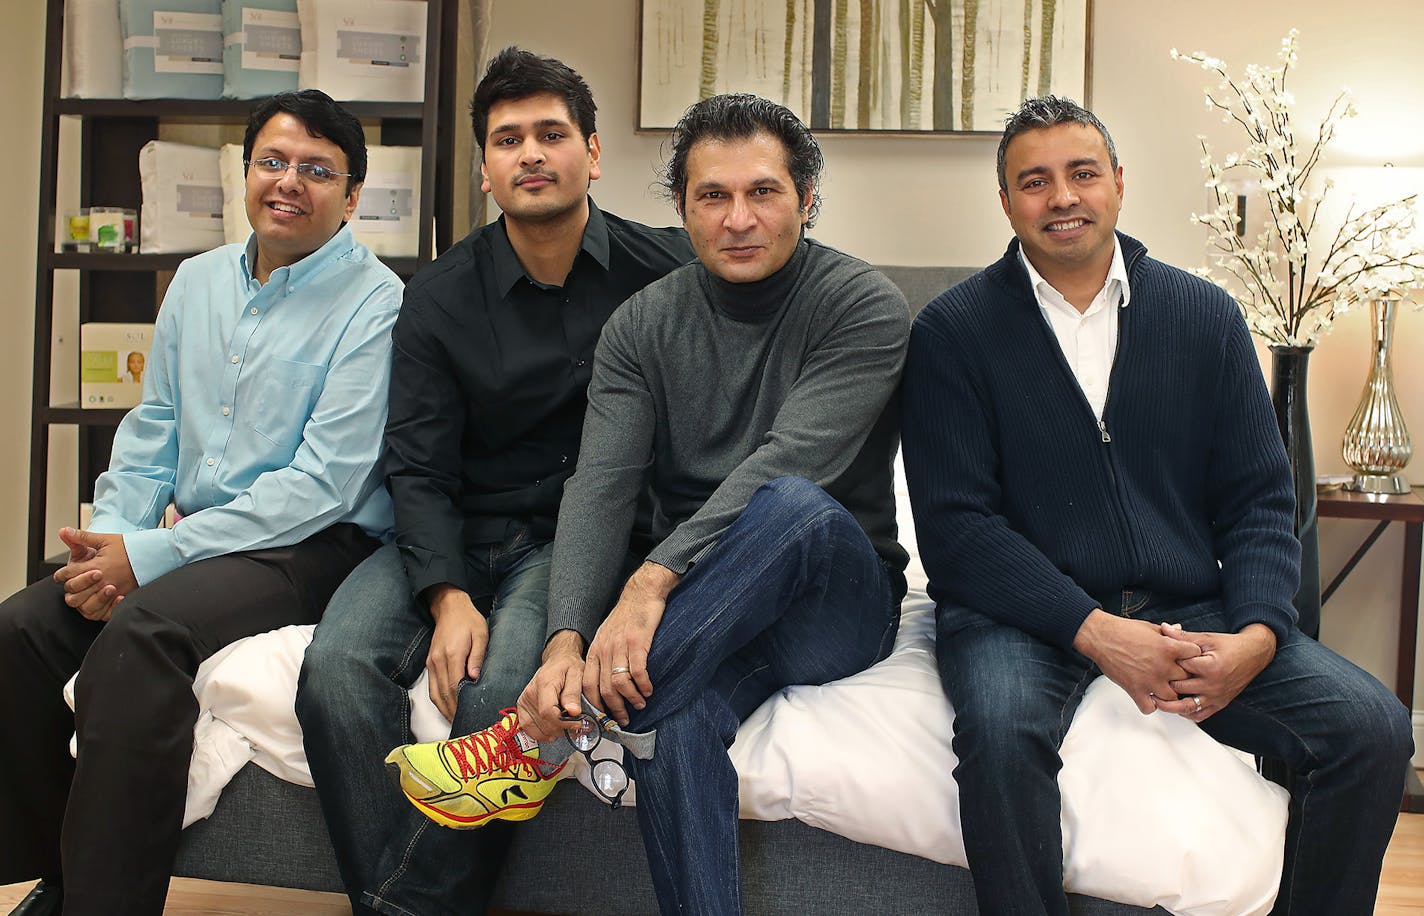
column 372, row 50
column 262, row 47
column 387, row 218
column 236, row 228
column 182, row 198
column 94, row 49
column 172, row 48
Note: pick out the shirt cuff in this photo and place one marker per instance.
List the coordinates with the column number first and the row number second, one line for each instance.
column 678, row 554
column 152, row 553
column 425, row 568
column 581, row 619
column 110, row 523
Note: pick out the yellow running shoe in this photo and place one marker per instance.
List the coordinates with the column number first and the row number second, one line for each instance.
column 465, row 782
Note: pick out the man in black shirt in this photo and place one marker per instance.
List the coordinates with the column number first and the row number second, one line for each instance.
column 491, row 362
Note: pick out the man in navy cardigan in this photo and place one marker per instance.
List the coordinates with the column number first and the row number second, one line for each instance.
column 1099, row 487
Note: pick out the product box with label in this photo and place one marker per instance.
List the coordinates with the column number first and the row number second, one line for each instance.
column 112, row 360
column 182, row 198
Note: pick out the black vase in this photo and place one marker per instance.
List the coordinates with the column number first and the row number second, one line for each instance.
column 1288, row 375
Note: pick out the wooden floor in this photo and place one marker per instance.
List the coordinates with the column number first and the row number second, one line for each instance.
column 1401, row 888
column 190, row 897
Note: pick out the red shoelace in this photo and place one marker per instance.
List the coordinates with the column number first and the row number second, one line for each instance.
column 494, row 748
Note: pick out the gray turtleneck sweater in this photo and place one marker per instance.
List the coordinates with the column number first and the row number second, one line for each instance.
column 706, row 390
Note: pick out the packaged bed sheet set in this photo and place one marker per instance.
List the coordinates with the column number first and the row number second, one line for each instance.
column 262, row 47
column 372, row 50
column 172, row 48
column 182, row 198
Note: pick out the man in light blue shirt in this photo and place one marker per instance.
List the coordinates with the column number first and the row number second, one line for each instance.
column 263, row 405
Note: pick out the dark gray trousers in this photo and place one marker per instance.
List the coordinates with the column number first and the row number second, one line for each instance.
column 111, row 823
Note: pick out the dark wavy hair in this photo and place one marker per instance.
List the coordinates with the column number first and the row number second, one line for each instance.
column 515, row 73
column 740, row 116
column 323, row 117
column 1048, row 111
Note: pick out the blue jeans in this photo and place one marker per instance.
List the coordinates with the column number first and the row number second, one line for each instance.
column 793, row 593
column 1343, row 735
column 353, row 705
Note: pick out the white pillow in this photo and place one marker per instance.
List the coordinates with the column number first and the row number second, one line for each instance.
column 1154, row 810
column 253, row 688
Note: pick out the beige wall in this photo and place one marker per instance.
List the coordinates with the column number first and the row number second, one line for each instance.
column 21, row 43
column 932, row 200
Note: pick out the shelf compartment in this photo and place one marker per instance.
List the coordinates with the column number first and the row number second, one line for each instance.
column 216, row 109
column 122, row 261
column 71, row 414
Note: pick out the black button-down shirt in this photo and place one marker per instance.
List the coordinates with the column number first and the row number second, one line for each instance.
column 489, row 381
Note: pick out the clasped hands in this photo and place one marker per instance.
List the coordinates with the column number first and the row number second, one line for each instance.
column 98, row 575
column 1164, row 667
column 616, row 667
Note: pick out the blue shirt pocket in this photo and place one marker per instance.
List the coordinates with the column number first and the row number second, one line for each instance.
column 282, row 401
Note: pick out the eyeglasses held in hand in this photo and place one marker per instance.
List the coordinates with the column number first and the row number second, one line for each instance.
column 610, row 779
column 272, row 167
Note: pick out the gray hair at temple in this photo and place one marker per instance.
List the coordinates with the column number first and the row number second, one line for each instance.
column 741, row 116
column 1048, row 111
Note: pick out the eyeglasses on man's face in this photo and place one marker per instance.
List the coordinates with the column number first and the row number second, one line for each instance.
column 272, row 167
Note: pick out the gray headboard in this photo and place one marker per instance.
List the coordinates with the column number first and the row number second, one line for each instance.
column 921, row 284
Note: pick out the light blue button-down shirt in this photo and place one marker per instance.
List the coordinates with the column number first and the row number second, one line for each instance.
column 263, row 408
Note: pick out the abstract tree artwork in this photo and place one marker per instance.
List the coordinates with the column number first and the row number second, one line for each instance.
column 864, row 65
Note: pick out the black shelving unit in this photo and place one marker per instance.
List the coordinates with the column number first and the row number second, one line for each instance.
column 124, row 287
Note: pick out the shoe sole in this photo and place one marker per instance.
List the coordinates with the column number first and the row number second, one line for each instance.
column 513, row 812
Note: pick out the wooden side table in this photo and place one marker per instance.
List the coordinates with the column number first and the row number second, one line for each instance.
column 1409, row 509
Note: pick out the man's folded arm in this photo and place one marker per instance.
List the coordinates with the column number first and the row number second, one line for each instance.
column 333, row 470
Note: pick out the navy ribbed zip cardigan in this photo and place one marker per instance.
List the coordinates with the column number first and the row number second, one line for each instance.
column 1026, row 506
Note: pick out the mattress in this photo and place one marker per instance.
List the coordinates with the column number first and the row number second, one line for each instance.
column 1209, row 845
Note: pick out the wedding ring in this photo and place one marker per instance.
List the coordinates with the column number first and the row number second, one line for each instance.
column 625, row 671
column 1197, row 701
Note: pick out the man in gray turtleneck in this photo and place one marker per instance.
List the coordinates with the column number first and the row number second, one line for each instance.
column 749, row 392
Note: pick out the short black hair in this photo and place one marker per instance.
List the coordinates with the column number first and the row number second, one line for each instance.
column 515, row 73
column 1048, row 111
column 323, row 117
column 740, row 116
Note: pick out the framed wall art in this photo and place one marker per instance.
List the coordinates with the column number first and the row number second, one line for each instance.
column 911, row 66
